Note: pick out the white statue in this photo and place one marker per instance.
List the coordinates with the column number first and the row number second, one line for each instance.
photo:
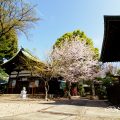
column 23, row 93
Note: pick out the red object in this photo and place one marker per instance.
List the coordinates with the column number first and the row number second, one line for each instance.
column 74, row 91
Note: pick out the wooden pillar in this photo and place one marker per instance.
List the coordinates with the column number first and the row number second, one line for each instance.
column 32, row 90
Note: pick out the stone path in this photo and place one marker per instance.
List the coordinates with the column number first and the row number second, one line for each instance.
column 76, row 109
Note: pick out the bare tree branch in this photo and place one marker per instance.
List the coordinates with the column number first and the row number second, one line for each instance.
column 16, row 14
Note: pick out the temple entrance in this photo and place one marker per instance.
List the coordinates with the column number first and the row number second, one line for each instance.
column 20, row 85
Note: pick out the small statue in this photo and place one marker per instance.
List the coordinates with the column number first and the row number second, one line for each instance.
column 23, row 93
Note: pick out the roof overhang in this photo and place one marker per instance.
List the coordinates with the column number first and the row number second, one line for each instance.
column 21, row 60
column 111, row 42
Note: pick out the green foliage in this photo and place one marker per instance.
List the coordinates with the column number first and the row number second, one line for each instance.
column 80, row 36
column 118, row 71
column 105, row 83
column 8, row 45
column 108, row 80
column 96, row 50
column 3, row 75
column 101, row 92
column 68, row 36
column 81, row 89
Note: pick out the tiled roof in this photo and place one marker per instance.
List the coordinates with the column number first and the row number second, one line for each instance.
column 17, row 61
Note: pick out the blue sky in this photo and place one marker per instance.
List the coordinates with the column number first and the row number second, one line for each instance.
column 61, row 16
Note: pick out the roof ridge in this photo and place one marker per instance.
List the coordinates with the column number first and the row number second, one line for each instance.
column 29, row 53
column 26, row 53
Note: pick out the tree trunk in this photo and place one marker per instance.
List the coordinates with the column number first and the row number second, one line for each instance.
column 46, row 90
column 69, row 88
column 92, row 89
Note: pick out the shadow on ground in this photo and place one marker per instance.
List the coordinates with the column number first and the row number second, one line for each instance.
column 80, row 102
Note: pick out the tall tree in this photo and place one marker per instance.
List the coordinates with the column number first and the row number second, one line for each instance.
column 16, row 14
column 81, row 36
column 74, row 60
column 8, row 45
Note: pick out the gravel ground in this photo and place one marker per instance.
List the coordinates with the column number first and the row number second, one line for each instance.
column 14, row 108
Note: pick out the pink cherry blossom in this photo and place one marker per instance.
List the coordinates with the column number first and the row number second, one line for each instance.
column 74, row 60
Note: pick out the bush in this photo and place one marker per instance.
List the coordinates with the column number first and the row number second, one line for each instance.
column 81, row 90
column 103, row 85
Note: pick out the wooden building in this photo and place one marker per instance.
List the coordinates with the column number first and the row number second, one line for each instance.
column 21, row 73
column 111, row 42
column 111, row 52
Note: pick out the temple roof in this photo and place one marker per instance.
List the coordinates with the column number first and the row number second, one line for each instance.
column 18, row 61
column 111, row 42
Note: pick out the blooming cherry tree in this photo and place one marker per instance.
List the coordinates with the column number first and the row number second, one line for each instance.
column 74, row 61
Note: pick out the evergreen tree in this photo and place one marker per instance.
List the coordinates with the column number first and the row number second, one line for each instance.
column 8, row 45
column 80, row 36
